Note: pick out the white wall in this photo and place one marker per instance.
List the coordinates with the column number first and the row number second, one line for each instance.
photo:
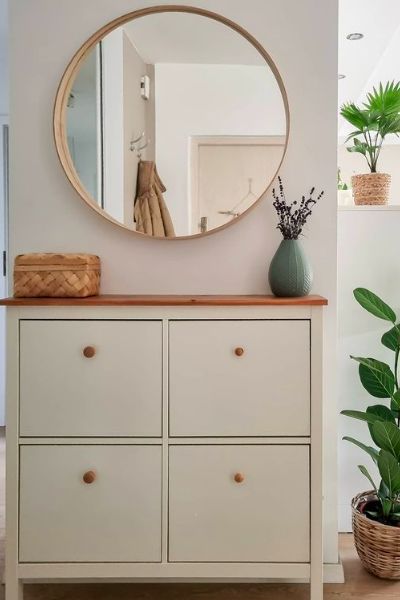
column 4, row 108
column 3, row 280
column 352, row 163
column 137, row 119
column 82, row 120
column 194, row 99
column 113, row 123
column 4, row 70
column 302, row 39
column 126, row 116
column 368, row 256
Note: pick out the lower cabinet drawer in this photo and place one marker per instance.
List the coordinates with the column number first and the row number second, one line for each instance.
column 114, row 518
column 230, row 503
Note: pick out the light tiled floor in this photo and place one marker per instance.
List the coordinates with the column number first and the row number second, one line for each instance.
column 359, row 584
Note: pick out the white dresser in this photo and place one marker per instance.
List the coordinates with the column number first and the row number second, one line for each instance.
column 164, row 438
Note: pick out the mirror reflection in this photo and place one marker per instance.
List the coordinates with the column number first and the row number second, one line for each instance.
column 175, row 124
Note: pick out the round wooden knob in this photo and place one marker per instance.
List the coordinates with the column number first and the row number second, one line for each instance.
column 89, row 351
column 239, row 351
column 239, row 477
column 89, row 477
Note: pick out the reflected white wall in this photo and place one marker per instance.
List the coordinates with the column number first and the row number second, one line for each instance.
column 208, row 100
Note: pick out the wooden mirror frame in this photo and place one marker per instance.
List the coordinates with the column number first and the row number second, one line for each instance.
column 65, row 86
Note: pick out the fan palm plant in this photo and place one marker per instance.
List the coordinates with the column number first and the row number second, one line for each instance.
column 376, row 118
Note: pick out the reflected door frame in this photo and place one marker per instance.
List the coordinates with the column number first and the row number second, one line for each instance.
column 195, row 142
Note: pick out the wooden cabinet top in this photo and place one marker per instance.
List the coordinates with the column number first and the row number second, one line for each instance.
column 167, row 300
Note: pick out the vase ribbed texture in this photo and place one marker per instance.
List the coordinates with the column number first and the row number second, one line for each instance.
column 290, row 273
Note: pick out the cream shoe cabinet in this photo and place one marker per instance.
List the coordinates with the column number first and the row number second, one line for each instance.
column 169, row 438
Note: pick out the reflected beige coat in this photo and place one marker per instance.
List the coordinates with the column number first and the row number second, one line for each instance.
column 151, row 214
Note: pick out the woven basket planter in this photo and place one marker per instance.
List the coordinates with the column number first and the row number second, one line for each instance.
column 371, row 188
column 56, row 275
column 378, row 545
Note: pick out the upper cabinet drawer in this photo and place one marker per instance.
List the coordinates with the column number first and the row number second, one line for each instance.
column 239, row 378
column 90, row 378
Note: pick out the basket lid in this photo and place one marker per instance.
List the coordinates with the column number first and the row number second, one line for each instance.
column 50, row 258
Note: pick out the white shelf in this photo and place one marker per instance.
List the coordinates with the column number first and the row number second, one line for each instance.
column 362, row 208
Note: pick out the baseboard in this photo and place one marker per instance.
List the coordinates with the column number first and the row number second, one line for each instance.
column 333, row 572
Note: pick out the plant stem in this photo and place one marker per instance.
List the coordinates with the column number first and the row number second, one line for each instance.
column 378, row 148
column 371, row 153
column 368, row 151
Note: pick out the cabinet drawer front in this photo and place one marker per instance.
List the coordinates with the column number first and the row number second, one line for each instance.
column 261, row 517
column 115, row 518
column 240, row 378
column 116, row 392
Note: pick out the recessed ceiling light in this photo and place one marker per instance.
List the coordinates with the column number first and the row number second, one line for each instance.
column 355, row 36
column 341, row 76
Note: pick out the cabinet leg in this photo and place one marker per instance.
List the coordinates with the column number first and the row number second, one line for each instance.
column 316, row 586
column 14, row 589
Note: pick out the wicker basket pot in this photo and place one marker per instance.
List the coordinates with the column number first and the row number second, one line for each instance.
column 56, row 275
column 378, row 545
column 371, row 188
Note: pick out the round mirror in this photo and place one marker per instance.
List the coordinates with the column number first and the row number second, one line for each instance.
column 171, row 121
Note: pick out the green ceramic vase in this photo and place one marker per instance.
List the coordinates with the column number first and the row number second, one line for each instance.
column 290, row 272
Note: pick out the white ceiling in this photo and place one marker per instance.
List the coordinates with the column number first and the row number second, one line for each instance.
column 366, row 62
column 188, row 38
column 373, row 59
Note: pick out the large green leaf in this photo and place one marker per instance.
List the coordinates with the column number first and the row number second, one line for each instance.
column 368, row 449
column 353, row 134
column 360, row 147
column 364, row 471
column 356, row 116
column 383, row 490
column 387, row 437
column 391, row 339
column 376, row 377
column 396, row 401
column 384, row 413
column 389, row 470
column 362, row 416
column 389, row 124
column 374, row 305
column 381, row 411
column 396, row 508
column 387, row 505
column 385, row 100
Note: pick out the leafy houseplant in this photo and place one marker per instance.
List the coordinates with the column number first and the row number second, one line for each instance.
column 345, row 195
column 376, row 514
column 376, row 118
column 290, row 273
column 341, row 185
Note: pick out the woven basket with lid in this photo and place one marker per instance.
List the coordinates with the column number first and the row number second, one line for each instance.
column 378, row 545
column 56, row 275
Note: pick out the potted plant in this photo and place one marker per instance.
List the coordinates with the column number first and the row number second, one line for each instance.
column 378, row 117
column 290, row 272
column 345, row 197
column 376, row 513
